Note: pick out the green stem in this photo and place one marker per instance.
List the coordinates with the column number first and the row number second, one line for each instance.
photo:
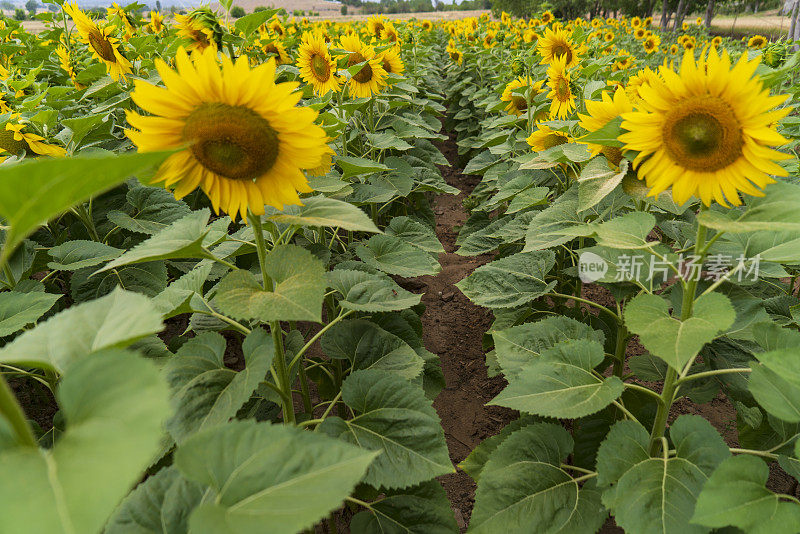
column 646, row 391
column 762, row 454
column 10, row 282
column 12, row 411
column 318, row 335
column 304, row 389
column 715, row 372
column 619, row 350
column 670, row 381
column 589, row 302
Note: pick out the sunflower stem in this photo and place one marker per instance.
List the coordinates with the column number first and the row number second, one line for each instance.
column 671, row 383
column 279, row 361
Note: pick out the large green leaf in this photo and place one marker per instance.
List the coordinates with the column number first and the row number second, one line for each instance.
column 159, row 505
column 474, row 463
column 204, row 391
column 416, row 233
column 657, row 495
column 522, row 489
column 370, row 292
column 18, row 309
column 250, row 23
column 352, row 166
column 115, row 320
column 518, row 345
column 560, row 383
column 267, row 478
column 114, row 403
column 555, row 225
column 35, row 191
column 181, row 239
column 510, row 281
column 674, row 341
column 395, row 417
column 178, row 297
column 422, row 509
column 299, row 289
column 324, row 211
column 775, row 383
column 148, row 278
column 77, row 254
column 735, row 495
column 778, row 210
column 368, row 346
column 627, row 232
column 597, row 180
column 393, row 255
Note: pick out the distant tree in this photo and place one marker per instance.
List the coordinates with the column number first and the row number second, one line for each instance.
column 158, row 6
column 238, row 12
column 5, row 4
column 19, row 14
column 259, row 9
column 343, row 11
column 32, row 6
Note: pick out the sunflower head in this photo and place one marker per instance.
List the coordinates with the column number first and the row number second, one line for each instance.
column 599, row 114
column 757, row 42
column 371, row 76
column 391, row 62
column 706, row 131
column 515, row 91
column 545, row 137
column 240, row 136
column 557, row 43
column 560, row 83
column 315, row 64
column 100, row 41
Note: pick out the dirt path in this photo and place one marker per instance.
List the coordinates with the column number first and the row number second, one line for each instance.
column 453, row 328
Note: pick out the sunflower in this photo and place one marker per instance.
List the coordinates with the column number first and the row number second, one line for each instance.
column 375, row 26
column 757, row 42
column 635, row 83
column 455, row 55
column 156, row 22
column 103, row 46
column 427, row 25
column 276, row 49
column 199, row 36
column 706, row 131
column 558, row 44
column 67, row 65
column 13, row 140
column 608, row 36
column 639, row 34
column 488, row 40
column 389, row 33
column 545, row 137
column 647, row 22
column 315, row 64
column 600, row 114
column 390, row 60
column 636, row 22
column 275, row 26
column 651, row 44
column 689, row 44
column 673, row 49
column 716, row 41
column 699, row 21
column 546, row 17
column 247, row 139
column 560, row 91
column 518, row 104
column 369, row 80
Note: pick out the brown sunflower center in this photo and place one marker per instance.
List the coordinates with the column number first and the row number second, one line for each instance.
column 562, row 89
column 387, row 66
column 102, row 46
column 519, row 102
column 703, row 134
column 320, row 68
column 553, row 140
column 365, row 74
column 232, row 141
column 563, row 49
column 9, row 144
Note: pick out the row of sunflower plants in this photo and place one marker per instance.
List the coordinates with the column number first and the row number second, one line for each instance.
column 640, row 192
column 225, row 354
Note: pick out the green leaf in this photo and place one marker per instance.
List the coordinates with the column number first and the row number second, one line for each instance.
column 114, row 403
column 33, row 192
column 181, row 239
column 422, row 509
column 299, row 289
column 556, row 224
column 607, row 135
column 676, row 342
column 149, row 279
column 629, row 231
column 510, row 281
column 393, row 255
column 159, row 505
column 74, row 255
column 778, row 210
column 323, row 211
column 474, row 463
column 204, row 391
column 267, row 478
column 736, row 495
column 177, row 298
column 775, row 383
column 370, row 292
column 115, row 320
column 519, row 345
column 395, row 417
column 560, row 383
column 20, row 309
column 416, row 233
column 657, row 495
column 368, row 346
column 152, row 210
column 387, row 140
column 522, row 489
column 250, row 23
column 352, row 166
column 597, row 180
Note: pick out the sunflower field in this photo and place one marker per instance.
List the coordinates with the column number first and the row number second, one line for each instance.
column 216, row 236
